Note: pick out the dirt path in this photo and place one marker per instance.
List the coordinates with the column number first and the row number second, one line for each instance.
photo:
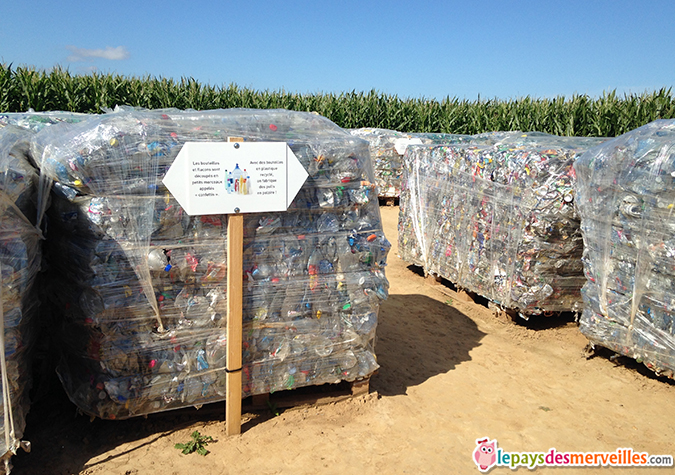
column 450, row 372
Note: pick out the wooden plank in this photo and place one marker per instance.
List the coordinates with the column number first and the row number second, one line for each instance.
column 306, row 395
column 311, row 399
column 235, row 264
column 360, row 388
column 505, row 314
column 312, row 395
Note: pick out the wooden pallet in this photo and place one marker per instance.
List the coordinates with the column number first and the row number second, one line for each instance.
column 314, row 395
column 510, row 315
column 309, row 395
column 464, row 295
column 458, row 293
column 388, row 200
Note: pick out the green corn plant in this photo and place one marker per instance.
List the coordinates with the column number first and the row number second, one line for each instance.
column 579, row 115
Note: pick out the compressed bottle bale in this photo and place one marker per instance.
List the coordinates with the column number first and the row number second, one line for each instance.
column 19, row 264
column 36, row 121
column 497, row 218
column 19, row 177
column 626, row 196
column 386, row 151
column 387, row 148
column 410, row 247
column 142, row 285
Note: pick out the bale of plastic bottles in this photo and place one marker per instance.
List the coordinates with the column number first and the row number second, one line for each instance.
column 387, row 148
column 19, row 264
column 410, row 233
column 36, row 121
column 141, row 286
column 496, row 217
column 626, row 198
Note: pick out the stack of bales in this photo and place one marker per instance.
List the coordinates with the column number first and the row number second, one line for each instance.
column 410, row 248
column 497, row 218
column 626, row 198
column 387, row 148
column 19, row 265
column 141, row 285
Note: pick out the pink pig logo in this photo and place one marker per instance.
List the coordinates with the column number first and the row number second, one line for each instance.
column 485, row 454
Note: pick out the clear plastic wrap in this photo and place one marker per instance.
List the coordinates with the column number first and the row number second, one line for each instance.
column 387, row 148
column 19, row 263
column 142, row 285
column 386, row 158
column 36, row 121
column 19, row 178
column 625, row 197
column 497, row 218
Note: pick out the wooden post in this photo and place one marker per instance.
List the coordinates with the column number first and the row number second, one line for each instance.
column 235, row 264
column 179, row 181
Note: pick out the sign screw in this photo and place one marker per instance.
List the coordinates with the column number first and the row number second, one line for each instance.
column 236, row 210
column 236, row 145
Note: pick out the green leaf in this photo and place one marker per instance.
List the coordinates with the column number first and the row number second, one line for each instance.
column 196, row 444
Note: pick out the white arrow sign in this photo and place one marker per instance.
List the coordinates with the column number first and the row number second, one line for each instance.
column 235, row 177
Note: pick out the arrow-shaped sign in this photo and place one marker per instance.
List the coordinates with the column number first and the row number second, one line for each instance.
column 235, row 177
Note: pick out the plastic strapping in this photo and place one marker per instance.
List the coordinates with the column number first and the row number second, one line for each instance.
column 418, row 219
column 12, row 444
column 44, row 186
column 9, row 203
column 511, row 248
column 10, row 439
column 643, row 262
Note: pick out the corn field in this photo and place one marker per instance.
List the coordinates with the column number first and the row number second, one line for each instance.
column 22, row 88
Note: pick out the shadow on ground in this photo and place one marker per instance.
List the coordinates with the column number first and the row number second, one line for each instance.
column 543, row 321
column 628, row 363
column 64, row 441
column 418, row 338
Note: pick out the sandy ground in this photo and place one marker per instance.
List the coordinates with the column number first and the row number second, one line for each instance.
column 451, row 372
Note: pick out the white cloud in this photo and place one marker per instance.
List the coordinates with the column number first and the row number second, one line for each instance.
column 83, row 54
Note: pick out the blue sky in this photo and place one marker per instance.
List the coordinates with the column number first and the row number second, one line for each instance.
column 431, row 49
